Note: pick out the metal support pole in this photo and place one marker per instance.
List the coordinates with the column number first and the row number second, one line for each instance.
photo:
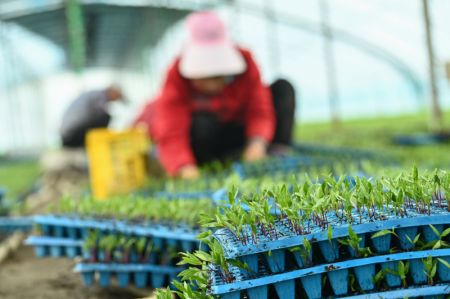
column 76, row 34
column 330, row 63
column 436, row 119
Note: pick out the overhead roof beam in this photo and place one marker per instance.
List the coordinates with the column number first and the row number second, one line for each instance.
column 17, row 8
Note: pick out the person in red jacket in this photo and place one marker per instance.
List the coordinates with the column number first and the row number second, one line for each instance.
column 213, row 104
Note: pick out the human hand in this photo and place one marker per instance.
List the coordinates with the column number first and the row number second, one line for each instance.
column 142, row 126
column 255, row 150
column 189, row 172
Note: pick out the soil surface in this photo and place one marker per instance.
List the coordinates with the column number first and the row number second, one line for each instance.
column 24, row 276
column 3, row 236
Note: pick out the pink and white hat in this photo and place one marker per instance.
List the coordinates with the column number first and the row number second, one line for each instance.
column 209, row 52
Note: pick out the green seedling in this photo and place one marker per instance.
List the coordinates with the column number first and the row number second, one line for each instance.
column 165, row 293
column 352, row 282
column 197, row 274
column 201, row 259
column 430, row 266
column 384, row 232
column 108, row 244
column 402, row 272
column 379, row 277
column 354, row 241
column 187, row 291
column 416, row 241
column 305, row 252
column 307, row 205
column 143, row 248
column 125, row 244
column 311, row 203
column 439, row 242
column 90, row 244
column 444, row 262
column 138, row 209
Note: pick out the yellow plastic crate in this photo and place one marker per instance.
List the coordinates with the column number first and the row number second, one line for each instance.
column 117, row 161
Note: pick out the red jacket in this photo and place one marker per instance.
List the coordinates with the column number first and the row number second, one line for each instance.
column 246, row 100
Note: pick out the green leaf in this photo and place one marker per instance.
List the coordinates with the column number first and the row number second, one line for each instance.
column 379, row 276
column 433, row 270
column 294, row 249
column 307, row 244
column 352, row 233
column 329, row 233
column 164, row 293
column 188, row 274
column 436, row 232
column 401, row 268
column 381, row 233
column 390, row 271
column 437, row 245
column 189, row 258
column 445, row 232
column 416, row 239
column 444, row 262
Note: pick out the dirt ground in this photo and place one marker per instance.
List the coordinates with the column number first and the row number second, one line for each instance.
column 2, row 236
column 23, row 276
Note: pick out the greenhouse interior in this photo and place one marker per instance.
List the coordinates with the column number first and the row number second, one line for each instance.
column 224, row 149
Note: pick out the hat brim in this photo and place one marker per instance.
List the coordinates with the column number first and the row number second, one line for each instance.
column 203, row 61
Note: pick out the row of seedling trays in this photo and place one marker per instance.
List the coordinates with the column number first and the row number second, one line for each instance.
column 338, row 152
column 298, row 264
column 286, row 165
column 155, row 270
column 76, row 228
column 372, row 276
column 11, row 224
column 142, row 254
column 129, row 259
column 140, row 275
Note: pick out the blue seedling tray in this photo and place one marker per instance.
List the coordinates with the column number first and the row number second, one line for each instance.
column 141, row 275
column 421, row 139
column 283, row 164
column 311, row 278
column 9, row 224
column 181, row 238
column 160, row 256
column 328, row 249
column 76, row 228
column 184, row 195
column 60, row 247
column 339, row 152
column 55, row 247
column 429, row 292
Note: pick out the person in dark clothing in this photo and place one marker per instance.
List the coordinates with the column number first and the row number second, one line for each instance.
column 214, row 103
column 211, row 139
column 87, row 112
